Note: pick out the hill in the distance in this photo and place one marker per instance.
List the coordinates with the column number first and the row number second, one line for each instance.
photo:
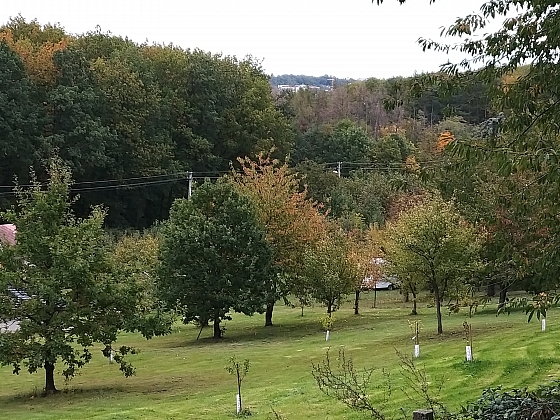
column 323, row 82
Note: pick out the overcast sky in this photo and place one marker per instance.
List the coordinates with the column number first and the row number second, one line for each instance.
column 343, row 38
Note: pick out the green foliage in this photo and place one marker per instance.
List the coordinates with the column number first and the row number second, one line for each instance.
column 328, row 322
column 214, row 256
column 116, row 111
column 432, row 246
column 59, row 283
column 328, row 272
column 20, row 118
column 346, row 141
column 516, row 404
column 391, row 151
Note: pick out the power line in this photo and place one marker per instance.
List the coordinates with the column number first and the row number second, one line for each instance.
column 149, row 180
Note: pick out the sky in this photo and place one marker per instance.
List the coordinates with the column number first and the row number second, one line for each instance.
column 342, row 38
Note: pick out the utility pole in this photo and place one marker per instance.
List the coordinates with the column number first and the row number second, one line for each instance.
column 190, row 184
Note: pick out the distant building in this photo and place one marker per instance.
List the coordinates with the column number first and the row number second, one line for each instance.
column 8, row 237
column 295, row 88
column 8, row 234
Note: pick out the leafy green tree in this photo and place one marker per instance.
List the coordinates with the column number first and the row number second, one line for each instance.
column 136, row 257
column 391, row 151
column 432, row 244
column 330, row 273
column 58, row 282
column 20, row 119
column 346, row 141
column 214, row 257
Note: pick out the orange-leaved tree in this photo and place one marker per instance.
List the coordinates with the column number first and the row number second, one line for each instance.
column 37, row 57
column 291, row 220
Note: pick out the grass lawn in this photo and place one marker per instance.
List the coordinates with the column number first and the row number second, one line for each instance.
column 179, row 377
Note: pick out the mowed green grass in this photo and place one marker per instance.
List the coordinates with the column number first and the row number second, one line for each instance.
column 179, row 377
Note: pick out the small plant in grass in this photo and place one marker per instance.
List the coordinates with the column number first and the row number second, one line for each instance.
column 415, row 328
column 538, row 306
column 239, row 369
column 328, row 322
column 418, row 388
column 348, row 386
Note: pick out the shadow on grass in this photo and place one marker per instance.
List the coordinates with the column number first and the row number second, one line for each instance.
column 38, row 397
column 292, row 330
column 157, row 388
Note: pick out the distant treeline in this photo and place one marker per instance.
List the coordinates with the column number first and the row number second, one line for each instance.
column 300, row 79
column 130, row 120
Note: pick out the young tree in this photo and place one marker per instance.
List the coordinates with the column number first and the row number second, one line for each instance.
column 331, row 275
column 136, row 257
column 432, row 243
column 214, row 257
column 292, row 222
column 59, row 283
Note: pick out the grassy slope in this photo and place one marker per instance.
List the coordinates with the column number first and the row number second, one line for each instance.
column 181, row 378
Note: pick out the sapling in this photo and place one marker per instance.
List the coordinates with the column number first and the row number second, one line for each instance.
column 239, row 369
column 415, row 327
column 328, row 323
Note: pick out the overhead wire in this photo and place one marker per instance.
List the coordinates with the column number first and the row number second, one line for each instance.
column 149, row 180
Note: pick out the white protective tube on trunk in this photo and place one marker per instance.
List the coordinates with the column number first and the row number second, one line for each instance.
column 469, row 353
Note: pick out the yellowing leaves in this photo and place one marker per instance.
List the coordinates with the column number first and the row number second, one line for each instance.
column 38, row 59
column 443, row 140
column 292, row 221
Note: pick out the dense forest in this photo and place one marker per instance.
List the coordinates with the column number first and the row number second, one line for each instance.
column 130, row 120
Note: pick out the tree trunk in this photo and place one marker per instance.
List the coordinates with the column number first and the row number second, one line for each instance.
column 491, row 290
column 217, row 329
column 374, row 296
column 49, row 378
column 268, row 314
column 357, row 302
column 406, row 296
column 438, row 312
column 329, row 308
column 503, row 297
column 414, row 310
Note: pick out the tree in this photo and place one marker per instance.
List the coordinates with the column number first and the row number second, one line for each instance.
column 345, row 141
column 58, row 282
column 363, row 250
column 136, row 257
column 292, row 222
column 518, row 63
column 432, row 244
column 331, row 275
column 20, row 118
column 214, row 257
